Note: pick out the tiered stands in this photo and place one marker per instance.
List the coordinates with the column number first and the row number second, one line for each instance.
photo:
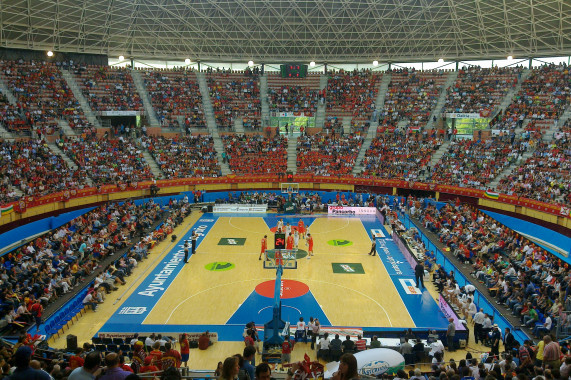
column 474, row 163
column 352, row 94
column 326, row 155
column 192, row 156
column 43, row 96
column 398, row 157
column 235, row 95
column 175, row 94
column 294, row 94
column 545, row 176
column 10, row 117
column 108, row 88
column 108, row 161
column 481, row 90
column 411, row 95
column 542, row 99
column 30, row 166
column 255, row 154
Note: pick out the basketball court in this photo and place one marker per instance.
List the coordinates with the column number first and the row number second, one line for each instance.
column 224, row 285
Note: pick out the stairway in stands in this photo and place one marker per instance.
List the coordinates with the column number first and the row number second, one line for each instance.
column 144, row 94
column 264, row 100
column 437, row 110
column 506, row 101
column 150, row 160
column 211, row 122
column 548, row 135
column 508, row 169
column 67, row 130
column 292, row 154
column 372, row 132
column 437, row 156
column 320, row 114
column 4, row 133
column 86, row 108
column 238, row 125
column 56, row 149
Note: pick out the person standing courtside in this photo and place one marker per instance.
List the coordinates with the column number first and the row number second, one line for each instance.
column 185, row 251
column 419, row 275
column 373, row 250
column 193, row 240
column 264, row 246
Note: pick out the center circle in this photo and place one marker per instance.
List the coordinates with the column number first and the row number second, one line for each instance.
column 289, row 289
column 340, row 243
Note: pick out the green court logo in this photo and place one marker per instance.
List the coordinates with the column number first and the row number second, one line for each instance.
column 219, row 266
column 232, row 241
column 348, row 268
column 299, row 254
column 340, row 243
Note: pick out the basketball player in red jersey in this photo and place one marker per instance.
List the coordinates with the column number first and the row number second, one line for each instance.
column 309, row 240
column 264, row 246
column 289, row 242
column 301, row 228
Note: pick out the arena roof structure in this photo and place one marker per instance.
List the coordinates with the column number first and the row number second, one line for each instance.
column 293, row 30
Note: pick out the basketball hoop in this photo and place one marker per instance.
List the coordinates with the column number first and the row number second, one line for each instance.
column 286, row 257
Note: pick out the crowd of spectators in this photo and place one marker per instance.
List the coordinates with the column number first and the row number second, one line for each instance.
column 475, row 163
column 328, row 155
column 53, row 264
column 108, row 88
column 529, row 281
column 289, row 98
column 411, row 96
column 481, row 90
column 255, row 154
column 11, row 116
column 545, row 176
column 107, row 160
column 352, row 93
column 394, row 155
column 234, row 96
column 184, row 157
column 43, row 97
column 30, row 166
column 174, row 95
column 543, row 97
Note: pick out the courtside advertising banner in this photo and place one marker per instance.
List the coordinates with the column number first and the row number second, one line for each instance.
column 344, row 211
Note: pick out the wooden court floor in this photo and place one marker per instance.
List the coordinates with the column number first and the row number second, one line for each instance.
column 198, row 296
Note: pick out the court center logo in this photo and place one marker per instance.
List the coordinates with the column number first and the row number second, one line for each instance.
column 232, row 241
column 340, row 243
column 219, row 266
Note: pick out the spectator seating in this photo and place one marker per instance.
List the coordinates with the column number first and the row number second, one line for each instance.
column 235, row 95
column 327, row 155
column 108, row 88
column 543, row 97
column 475, row 163
column 108, row 160
column 255, row 154
column 545, row 176
column 176, row 97
column 352, row 93
column 32, row 167
column 43, row 96
column 412, row 96
column 184, row 157
column 294, row 94
column 396, row 156
column 481, row 90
